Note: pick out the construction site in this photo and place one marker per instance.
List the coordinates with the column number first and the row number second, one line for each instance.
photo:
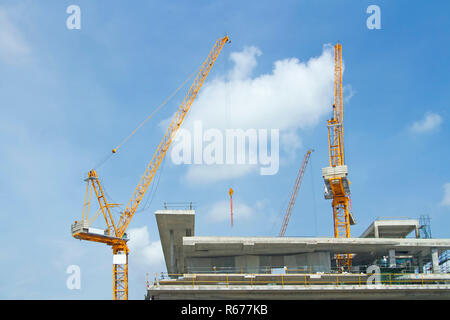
column 394, row 258
column 385, row 264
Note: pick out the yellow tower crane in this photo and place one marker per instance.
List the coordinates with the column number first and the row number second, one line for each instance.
column 114, row 234
column 294, row 193
column 337, row 186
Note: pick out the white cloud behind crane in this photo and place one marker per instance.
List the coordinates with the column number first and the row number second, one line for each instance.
column 14, row 47
column 294, row 96
column 146, row 254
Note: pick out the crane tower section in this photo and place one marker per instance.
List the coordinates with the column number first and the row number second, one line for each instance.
column 337, row 185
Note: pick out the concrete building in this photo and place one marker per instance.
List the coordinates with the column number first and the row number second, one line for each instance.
column 386, row 264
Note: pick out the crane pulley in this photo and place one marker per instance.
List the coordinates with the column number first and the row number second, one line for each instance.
column 115, row 232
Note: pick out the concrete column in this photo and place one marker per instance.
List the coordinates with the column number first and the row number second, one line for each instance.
column 420, row 262
column 248, row 264
column 392, row 262
column 290, row 262
column 172, row 253
column 435, row 260
column 417, row 233
column 376, row 234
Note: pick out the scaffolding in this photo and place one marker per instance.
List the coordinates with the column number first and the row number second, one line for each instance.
column 425, row 226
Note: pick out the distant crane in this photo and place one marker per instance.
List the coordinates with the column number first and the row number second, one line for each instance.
column 337, row 186
column 294, row 193
column 231, row 192
column 114, row 234
column 425, row 226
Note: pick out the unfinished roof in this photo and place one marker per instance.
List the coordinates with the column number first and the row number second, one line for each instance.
column 178, row 240
column 391, row 228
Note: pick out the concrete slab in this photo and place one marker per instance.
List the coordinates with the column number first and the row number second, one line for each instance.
column 299, row 292
column 225, row 246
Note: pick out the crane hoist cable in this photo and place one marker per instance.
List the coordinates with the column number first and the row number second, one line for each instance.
column 156, row 110
column 313, row 195
column 228, row 124
column 113, row 151
column 153, row 189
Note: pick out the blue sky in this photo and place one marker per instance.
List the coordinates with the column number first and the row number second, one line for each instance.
column 70, row 96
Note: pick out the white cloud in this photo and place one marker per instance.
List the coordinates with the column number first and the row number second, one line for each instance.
column 430, row 122
column 245, row 62
column 221, row 211
column 145, row 254
column 294, row 95
column 212, row 173
column 290, row 142
column 348, row 92
column 446, row 198
column 13, row 46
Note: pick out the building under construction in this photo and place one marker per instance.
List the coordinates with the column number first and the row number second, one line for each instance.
column 382, row 263
column 389, row 261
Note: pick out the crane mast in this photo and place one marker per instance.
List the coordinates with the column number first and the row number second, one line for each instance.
column 294, row 193
column 115, row 233
column 337, row 186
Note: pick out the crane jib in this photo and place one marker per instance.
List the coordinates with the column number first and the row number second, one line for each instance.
column 114, row 234
column 168, row 137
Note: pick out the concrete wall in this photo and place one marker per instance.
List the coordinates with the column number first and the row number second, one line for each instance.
column 320, row 260
column 173, row 225
column 258, row 263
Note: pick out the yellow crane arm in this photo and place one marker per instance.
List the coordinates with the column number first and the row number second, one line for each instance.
column 94, row 184
column 294, row 193
column 152, row 167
